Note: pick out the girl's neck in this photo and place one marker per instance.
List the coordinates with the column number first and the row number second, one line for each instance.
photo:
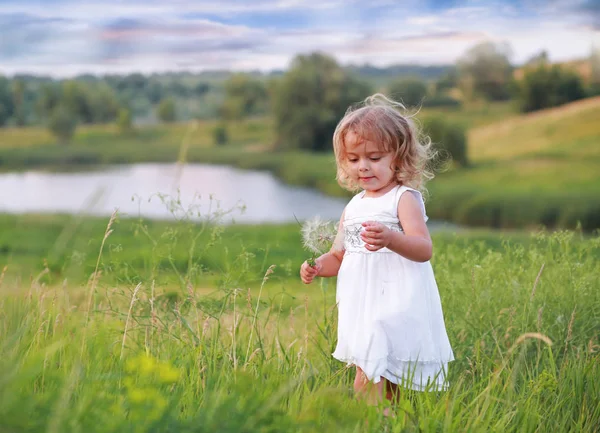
column 381, row 191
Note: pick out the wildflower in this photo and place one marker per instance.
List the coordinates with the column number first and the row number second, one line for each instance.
column 318, row 236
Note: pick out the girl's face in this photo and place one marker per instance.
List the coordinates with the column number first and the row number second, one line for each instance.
column 369, row 164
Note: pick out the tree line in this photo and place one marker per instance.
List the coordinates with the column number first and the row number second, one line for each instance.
column 306, row 100
column 31, row 100
column 310, row 98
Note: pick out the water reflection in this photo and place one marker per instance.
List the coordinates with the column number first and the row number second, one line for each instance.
column 137, row 190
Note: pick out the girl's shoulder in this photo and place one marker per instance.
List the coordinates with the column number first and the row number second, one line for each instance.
column 356, row 197
column 416, row 193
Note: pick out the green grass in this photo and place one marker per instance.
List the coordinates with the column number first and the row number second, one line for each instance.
column 66, row 248
column 475, row 114
column 104, row 144
column 185, row 328
column 535, row 169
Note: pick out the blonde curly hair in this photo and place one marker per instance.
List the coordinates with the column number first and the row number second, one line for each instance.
column 380, row 120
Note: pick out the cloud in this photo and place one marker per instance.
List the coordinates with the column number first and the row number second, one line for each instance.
column 30, row 39
column 581, row 12
column 20, row 30
column 113, row 9
column 173, row 41
column 68, row 37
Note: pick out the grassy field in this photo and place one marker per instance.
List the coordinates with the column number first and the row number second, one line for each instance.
column 526, row 171
column 22, row 148
column 140, row 326
column 540, row 168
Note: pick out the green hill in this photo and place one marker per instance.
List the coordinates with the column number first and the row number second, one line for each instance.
column 537, row 168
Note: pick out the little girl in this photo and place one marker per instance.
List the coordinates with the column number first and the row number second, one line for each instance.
column 390, row 320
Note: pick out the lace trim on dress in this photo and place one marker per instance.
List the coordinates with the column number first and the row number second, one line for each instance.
column 352, row 240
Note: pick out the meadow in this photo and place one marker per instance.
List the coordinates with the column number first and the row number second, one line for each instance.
column 135, row 325
column 146, row 326
column 525, row 170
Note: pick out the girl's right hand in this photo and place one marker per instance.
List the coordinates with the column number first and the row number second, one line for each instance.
column 308, row 272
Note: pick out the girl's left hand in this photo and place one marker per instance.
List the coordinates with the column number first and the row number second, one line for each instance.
column 375, row 235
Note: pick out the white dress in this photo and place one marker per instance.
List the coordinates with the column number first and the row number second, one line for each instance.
column 390, row 320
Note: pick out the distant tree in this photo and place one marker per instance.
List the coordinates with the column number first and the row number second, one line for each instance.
column 549, row 86
column 48, row 99
column 595, row 71
column 449, row 139
column 6, row 101
column 309, row 100
column 448, row 81
column 177, row 88
column 62, row 123
column 244, row 96
column 18, row 91
column 104, row 104
column 154, row 92
column 3, row 115
column 89, row 101
column 77, row 99
column 136, row 82
column 538, row 59
column 201, row 89
column 166, row 110
column 410, row 91
column 124, row 121
column 485, row 71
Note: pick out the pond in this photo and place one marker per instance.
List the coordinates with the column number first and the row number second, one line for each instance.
column 166, row 191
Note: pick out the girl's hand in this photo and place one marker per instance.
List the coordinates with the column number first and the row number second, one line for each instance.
column 308, row 272
column 375, row 235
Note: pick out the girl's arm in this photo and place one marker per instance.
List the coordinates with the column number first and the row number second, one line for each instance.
column 414, row 244
column 329, row 263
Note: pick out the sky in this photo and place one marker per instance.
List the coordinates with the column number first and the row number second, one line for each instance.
column 69, row 37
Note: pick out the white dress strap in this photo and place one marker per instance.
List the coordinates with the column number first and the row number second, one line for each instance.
column 416, row 193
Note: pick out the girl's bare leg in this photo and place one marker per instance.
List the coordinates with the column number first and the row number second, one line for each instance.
column 392, row 391
column 373, row 393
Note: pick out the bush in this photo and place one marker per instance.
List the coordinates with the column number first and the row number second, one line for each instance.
column 62, row 124
column 441, row 101
column 3, row 115
column 166, row 110
column 220, row 135
column 503, row 210
column 594, row 89
column 409, row 91
column 449, row 140
column 124, row 121
column 549, row 86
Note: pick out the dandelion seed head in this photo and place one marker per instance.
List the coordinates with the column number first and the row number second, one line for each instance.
column 318, row 235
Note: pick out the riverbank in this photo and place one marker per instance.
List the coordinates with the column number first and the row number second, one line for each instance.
column 526, row 171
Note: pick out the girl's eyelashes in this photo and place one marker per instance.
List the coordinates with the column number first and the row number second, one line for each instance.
column 373, row 158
